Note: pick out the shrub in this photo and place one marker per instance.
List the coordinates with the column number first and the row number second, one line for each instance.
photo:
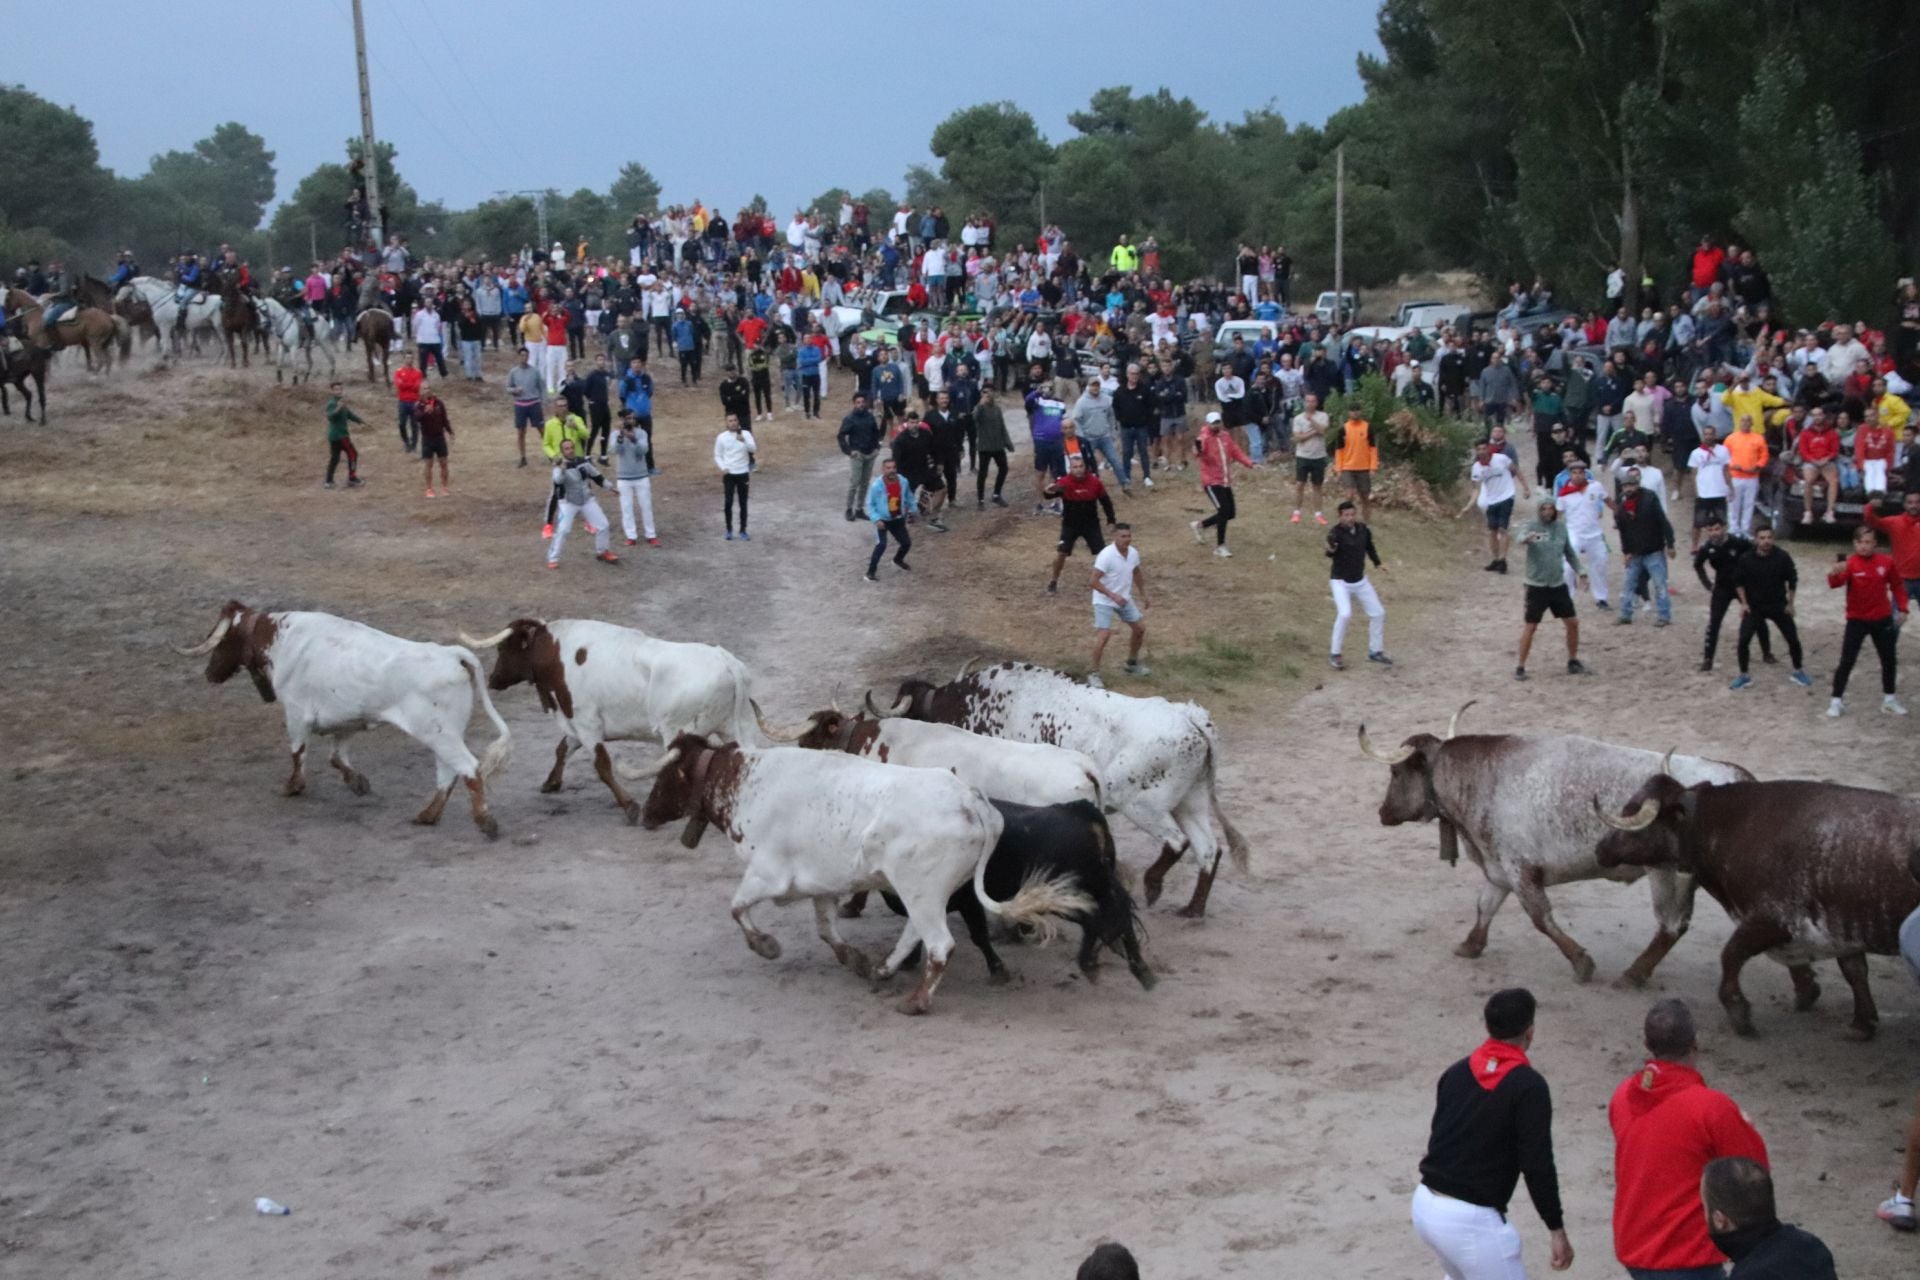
column 1434, row 447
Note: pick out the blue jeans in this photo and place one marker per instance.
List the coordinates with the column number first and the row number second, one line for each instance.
column 1256, row 444
column 1684, row 1273
column 470, row 357
column 1134, row 443
column 1103, row 445
column 1639, row 568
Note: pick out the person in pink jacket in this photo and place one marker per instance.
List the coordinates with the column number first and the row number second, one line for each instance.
column 1217, row 452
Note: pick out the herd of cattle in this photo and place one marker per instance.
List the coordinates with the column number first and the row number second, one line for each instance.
column 987, row 796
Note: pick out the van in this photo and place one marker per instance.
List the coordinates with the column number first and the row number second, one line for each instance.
column 1349, row 307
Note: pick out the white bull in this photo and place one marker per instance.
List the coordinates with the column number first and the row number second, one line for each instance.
column 819, row 825
column 1021, row 772
column 335, row 677
column 607, row 683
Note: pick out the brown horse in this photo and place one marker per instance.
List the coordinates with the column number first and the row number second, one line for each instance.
column 96, row 293
column 19, row 365
column 239, row 317
column 94, row 331
column 375, row 327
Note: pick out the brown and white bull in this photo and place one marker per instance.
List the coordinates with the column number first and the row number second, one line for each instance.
column 335, row 677
column 606, row 683
column 1806, row 870
column 1157, row 758
column 1518, row 804
column 820, row 825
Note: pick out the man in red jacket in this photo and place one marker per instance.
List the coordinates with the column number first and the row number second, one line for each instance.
column 406, row 391
column 1667, row 1126
column 1903, row 531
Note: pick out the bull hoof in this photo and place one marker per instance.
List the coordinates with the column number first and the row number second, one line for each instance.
column 915, row 1005
column 1806, row 997
column 358, row 784
column 1470, row 950
column 1152, row 883
column 764, row 945
column 1147, row 979
column 425, row 819
column 851, row 910
column 857, row 960
column 1862, row 1032
column 999, row 977
column 1631, row 980
column 632, row 809
column 1583, row 968
column 1191, row 912
column 1091, row 972
column 1741, row 1019
column 489, row 827
column 550, row 786
column 294, row 788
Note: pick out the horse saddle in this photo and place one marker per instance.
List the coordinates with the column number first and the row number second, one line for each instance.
column 59, row 311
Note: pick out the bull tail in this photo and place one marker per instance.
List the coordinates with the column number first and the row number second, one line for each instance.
column 501, row 749
column 1237, row 848
column 1041, row 901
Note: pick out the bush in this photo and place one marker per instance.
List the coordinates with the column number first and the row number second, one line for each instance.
column 1432, row 446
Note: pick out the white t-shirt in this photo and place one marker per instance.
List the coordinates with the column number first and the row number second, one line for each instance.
column 1495, row 478
column 1709, row 467
column 1116, row 573
column 1584, row 510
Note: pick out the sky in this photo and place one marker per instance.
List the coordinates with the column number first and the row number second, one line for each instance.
column 721, row 99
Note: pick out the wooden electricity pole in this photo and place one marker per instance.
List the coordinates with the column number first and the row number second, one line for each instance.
column 1339, row 233
column 371, row 159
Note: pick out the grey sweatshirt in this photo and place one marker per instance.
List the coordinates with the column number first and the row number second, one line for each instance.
column 1094, row 417
column 523, row 384
column 572, row 481
column 630, row 456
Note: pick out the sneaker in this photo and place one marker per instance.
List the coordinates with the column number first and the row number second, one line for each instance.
column 1094, row 681
column 631, row 542
column 1575, row 667
column 1223, row 552
column 653, row 542
column 1380, row 658
column 1623, row 621
column 1897, row 1212
column 729, row 535
column 869, row 577
column 1491, row 566
column 326, row 484
column 850, row 516
column 1500, row 566
column 1519, row 673
column 1891, row 705
column 603, row 459
column 1836, row 707
column 429, row 493
column 546, row 531
column 903, row 566
column 523, row 462
column 1802, row 679
column 1768, row 658
column 1335, row 661
column 997, row 500
column 1663, row 622
column 553, row 564
column 745, row 536
column 1198, row 536
column 1704, row 667
column 1741, row 681
column 609, row 557
column 1295, row 519
column 356, row 483
column 1319, row 519
column 1147, row 481
column 1053, row 588
column 938, row 526
column 1138, row 669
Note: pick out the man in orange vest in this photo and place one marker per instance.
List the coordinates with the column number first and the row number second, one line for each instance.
column 1357, row 459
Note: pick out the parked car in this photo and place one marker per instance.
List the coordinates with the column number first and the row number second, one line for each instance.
column 1349, row 307
column 1783, row 500
column 1433, row 315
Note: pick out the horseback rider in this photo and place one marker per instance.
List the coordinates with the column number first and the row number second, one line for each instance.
column 35, row 280
column 60, row 300
column 123, row 272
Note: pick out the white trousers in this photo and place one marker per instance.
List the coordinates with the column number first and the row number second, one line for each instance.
column 1740, row 506
column 1874, row 472
column 633, row 256
column 596, row 524
column 634, row 492
column 1472, row 1241
column 1344, row 594
column 1250, row 288
column 554, row 356
column 1592, row 550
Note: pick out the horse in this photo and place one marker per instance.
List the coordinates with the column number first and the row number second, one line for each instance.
column 202, row 312
column 18, row 366
column 94, row 331
column 99, row 294
column 238, row 316
column 295, row 331
column 375, row 327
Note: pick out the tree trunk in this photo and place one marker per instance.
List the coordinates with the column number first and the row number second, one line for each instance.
column 1630, row 230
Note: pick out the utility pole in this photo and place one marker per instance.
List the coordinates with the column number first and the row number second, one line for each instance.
column 1339, row 232
column 313, row 240
column 539, row 199
column 367, row 152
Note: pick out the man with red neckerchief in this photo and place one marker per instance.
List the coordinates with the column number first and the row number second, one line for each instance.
column 1492, row 1124
column 1667, row 1127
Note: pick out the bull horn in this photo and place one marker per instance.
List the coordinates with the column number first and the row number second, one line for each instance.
column 967, row 669
column 489, row 642
column 833, row 699
column 1666, row 763
column 1641, row 817
column 899, row 708
column 1453, row 725
column 715, row 741
column 218, row 634
column 632, row 774
column 768, row 729
column 1367, row 750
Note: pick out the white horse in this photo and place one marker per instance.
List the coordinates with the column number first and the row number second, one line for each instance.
column 203, row 312
column 293, row 334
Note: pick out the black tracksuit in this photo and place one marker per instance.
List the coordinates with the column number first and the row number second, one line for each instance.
column 1484, row 1140
column 1767, row 582
column 1721, row 556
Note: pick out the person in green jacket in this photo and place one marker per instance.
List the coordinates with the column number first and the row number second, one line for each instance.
column 1548, row 549
column 340, row 438
column 563, row 426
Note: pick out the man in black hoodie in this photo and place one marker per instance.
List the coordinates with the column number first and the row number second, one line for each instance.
column 1737, row 1195
column 1492, row 1124
column 860, row 441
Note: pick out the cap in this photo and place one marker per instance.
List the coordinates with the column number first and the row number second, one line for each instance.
column 1213, row 417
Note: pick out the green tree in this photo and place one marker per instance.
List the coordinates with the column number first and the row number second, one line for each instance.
column 229, row 172
column 51, row 167
column 319, row 201
column 495, row 228
column 993, row 158
column 634, row 191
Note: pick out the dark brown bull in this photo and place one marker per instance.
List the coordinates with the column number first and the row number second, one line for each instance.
column 1806, row 870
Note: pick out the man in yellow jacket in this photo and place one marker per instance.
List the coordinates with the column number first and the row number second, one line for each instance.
column 563, row 426
column 1125, row 258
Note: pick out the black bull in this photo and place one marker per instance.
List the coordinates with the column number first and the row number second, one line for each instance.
column 1805, row 870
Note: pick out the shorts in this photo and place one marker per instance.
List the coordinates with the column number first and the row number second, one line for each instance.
column 933, row 481
column 1544, row 600
column 1105, row 611
column 1310, row 469
column 1049, row 456
column 526, row 415
column 1500, row 515
column 433, row 448
column 1361, row 482
column 1173, row 426
column 1707, row 510
column 1087, row 533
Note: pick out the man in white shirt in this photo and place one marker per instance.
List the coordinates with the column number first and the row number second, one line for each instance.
column 933, row 270
column 1709, row 465
column 1583, row 505
column 1652, row 479
column 1494, row 479
column 1845, row 355
column 1119, row 591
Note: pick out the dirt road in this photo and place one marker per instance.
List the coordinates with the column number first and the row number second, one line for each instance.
column 553, row 1056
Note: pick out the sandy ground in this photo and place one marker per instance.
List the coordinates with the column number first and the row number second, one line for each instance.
column 552, row 1055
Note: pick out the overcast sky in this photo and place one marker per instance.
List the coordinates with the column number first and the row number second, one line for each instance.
column 719, row 99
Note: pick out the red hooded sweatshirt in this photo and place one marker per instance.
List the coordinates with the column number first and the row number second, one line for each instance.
column 1667, row 1124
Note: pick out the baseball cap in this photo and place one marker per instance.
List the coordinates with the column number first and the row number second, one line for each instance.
column 1213, row 417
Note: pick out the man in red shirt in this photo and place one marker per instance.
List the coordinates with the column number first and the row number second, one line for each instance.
column 1874, row 592
column 1667, row 1125
column 555, row 354
column 1706, row 266
column 751, row 330
column 406, row 391
column 1818, row 445
column 1903, row 531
